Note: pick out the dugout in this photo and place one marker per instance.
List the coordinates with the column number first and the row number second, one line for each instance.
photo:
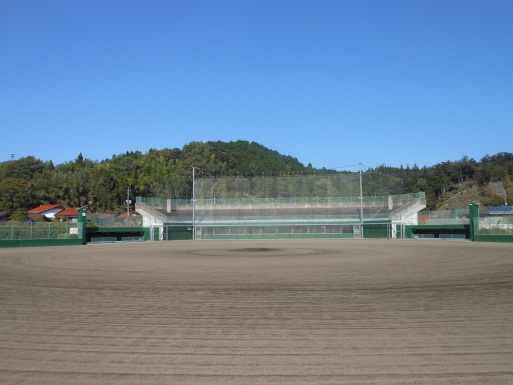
column 461, row 231
column 116, row 234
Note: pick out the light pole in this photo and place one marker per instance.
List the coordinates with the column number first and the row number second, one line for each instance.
column 128, row 201
column 361, row 200
column 193, row 204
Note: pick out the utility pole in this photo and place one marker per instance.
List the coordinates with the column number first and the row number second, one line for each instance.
column 128, row 201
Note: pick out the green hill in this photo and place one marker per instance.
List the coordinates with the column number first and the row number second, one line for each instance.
column 28, row 182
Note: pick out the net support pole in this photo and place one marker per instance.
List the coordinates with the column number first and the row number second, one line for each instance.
column 193, row 204
column 361, row 197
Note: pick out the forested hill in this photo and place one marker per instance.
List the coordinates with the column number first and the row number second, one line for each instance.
column 28, row 182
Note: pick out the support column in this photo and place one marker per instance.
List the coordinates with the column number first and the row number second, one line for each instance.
column 82, row 222
column 474, row 219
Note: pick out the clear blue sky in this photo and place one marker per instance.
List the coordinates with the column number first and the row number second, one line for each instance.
column 330, row 82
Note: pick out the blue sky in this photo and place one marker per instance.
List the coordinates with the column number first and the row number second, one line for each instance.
column 331, row 83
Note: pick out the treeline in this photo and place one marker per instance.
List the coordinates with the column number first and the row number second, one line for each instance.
column 102, row 185
column 488, row 181
column 28, row 182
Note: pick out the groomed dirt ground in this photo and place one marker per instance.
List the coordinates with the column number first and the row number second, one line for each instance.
column 258, row 312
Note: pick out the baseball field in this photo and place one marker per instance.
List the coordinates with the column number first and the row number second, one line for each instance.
column 258, row 312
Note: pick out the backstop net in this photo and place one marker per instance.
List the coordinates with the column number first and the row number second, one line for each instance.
column 329, row 185
column 287, row 206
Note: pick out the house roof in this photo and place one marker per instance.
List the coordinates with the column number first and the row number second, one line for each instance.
column 133, row 214
column 43, row 208
column 103, row 215
column 73, row 212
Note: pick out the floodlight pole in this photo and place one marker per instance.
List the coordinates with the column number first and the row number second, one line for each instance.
column 193, row 204
column 361, row 197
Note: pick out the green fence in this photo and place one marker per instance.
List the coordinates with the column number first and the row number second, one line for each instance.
column 36, row 230
column 20, row 234
column 494, row 229
column 175, row 233
column 377, row 230
column 495, row 226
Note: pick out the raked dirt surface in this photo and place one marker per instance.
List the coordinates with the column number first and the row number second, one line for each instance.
column 258, row 312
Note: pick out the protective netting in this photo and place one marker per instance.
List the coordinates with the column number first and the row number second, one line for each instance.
column 330, row 185
column 271, row 232
column 327, row 205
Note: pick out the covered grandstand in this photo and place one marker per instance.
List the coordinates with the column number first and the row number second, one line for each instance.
column 263, row 208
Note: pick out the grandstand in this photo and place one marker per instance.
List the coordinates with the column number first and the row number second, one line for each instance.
column 280, row 207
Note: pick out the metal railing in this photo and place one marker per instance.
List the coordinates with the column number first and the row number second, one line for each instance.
column 209, row 219
column 161, row 203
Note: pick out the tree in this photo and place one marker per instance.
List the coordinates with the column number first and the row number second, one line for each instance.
column 15, row 193
column 23, row 168
column 19, row 215
column 167, row 173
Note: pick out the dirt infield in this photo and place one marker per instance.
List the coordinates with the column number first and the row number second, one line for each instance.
column 258, row 312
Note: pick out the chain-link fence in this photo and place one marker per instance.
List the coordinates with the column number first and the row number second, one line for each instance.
column 275, row 232
column 325, row 185
column 37, row 230
column 494, row 226
column 109, row 220
column 444, row 217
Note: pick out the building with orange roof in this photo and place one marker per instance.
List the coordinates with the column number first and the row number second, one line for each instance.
column 45, row 211
column 68, row 215
column 132, row 214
